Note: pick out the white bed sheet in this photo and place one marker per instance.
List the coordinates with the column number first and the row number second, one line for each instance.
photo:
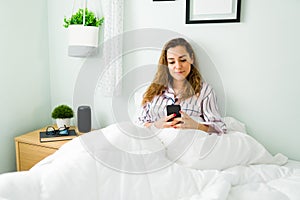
column 74, row 173
column 293, row 164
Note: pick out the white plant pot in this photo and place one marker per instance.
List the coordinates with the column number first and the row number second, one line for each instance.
column 83, row 40
column 62, row 122
column 80, row 35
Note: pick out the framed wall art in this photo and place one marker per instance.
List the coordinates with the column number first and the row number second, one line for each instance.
column 212, row 11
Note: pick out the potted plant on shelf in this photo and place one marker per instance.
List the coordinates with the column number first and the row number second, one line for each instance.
column 83, row 30
column 62, row 114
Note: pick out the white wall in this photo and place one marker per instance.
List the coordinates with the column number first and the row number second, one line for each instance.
column 256, row 60
column 24, row 74
column 63, row 69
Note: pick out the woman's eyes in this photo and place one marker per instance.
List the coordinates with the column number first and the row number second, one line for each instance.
column 173, row 62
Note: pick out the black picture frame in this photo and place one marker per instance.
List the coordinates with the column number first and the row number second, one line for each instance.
column 229, row 13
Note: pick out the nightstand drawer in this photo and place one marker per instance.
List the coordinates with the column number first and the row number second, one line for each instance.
column 29, row 149
column 29, row 155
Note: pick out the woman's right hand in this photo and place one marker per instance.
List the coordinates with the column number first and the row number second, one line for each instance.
column 163, row 122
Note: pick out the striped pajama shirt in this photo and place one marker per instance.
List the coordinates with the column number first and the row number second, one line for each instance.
column 202, row 108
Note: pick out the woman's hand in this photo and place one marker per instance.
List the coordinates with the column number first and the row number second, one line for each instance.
column 186, row 122
column 163, row 122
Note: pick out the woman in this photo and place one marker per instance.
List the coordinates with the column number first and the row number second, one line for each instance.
column 178, row 81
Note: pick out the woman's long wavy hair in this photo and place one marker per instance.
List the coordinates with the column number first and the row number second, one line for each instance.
column 162, row 77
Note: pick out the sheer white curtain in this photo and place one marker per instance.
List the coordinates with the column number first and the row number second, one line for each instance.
column 112, row 49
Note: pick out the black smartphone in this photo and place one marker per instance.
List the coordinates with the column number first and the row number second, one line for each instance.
column 171, row 109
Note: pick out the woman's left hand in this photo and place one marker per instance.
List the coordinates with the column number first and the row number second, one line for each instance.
column 185, row 122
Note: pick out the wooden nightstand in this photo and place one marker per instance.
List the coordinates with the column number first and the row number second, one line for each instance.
column 29, row 149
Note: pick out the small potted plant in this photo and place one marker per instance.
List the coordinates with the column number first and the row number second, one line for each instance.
column 62, row 114
column 77, row 19
column 83, row 30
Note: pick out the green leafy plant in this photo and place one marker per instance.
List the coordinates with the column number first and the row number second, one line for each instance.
column 62, row 112
column 90, row 19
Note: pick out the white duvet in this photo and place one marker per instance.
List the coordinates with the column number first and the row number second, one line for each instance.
column 106, row 165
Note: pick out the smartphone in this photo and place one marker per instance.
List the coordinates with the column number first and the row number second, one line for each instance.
column 171, row 109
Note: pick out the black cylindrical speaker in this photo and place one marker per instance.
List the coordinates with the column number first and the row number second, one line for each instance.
column 84, row 120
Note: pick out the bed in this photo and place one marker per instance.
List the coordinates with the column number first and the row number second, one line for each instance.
column 108, row 164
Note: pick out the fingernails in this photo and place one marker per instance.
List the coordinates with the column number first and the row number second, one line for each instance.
column 174, row 114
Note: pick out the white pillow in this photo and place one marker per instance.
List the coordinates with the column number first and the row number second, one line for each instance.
column 198, row 150
column 135, row 101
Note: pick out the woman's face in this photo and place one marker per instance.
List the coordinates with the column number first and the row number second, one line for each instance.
column 179, row 62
